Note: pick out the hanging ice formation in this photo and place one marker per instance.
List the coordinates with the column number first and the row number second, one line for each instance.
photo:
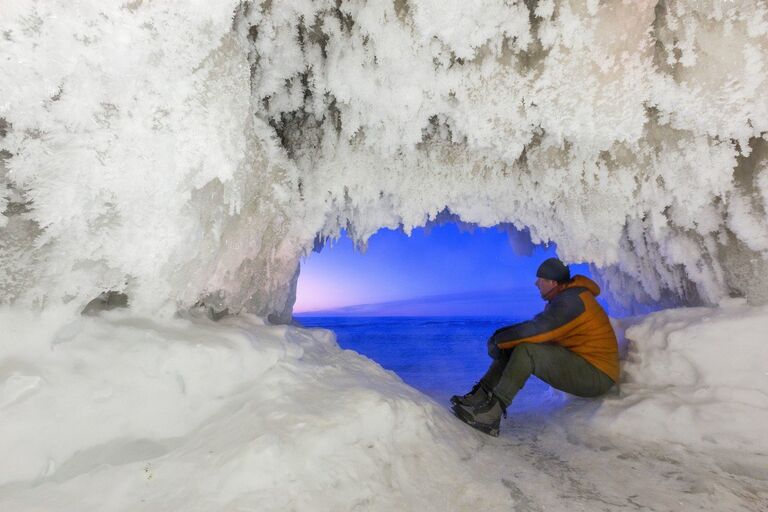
column 187, row 151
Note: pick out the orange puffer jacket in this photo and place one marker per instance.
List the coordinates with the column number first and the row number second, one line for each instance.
column 573, row 319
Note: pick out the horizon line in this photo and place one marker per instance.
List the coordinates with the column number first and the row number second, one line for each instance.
column 497, row 296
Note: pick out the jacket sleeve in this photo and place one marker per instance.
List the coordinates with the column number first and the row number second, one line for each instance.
column 546, row 326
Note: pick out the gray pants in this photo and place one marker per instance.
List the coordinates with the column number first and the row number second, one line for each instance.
column 555, row 365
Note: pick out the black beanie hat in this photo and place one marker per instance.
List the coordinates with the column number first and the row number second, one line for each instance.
column 555, row 270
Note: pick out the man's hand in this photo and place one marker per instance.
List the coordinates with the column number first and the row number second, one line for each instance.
column 493, row 350
column 497, row 336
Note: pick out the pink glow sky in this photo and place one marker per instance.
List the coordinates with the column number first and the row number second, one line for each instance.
column 444, row 272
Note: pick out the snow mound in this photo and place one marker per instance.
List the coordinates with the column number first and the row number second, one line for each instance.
column 120, row 412
column 697, row 377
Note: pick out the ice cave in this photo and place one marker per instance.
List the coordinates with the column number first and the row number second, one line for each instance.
column 180, row 158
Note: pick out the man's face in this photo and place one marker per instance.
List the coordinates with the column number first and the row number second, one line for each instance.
column 544, row 286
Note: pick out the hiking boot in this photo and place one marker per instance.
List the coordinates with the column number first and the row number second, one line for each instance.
column 486, row 417
column 475, row 397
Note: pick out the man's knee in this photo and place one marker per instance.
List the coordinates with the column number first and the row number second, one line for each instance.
column 528, row 348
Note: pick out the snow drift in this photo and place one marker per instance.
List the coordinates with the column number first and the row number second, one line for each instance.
column 190, row 152
column 697, row 377
column 123, row 413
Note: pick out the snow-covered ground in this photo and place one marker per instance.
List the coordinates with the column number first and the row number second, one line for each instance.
column 126, row 413
column 122, row 412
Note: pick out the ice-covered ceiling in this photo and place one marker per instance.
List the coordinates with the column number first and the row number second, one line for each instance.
column 189, row 151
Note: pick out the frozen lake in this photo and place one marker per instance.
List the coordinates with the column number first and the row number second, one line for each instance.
column 439, row 356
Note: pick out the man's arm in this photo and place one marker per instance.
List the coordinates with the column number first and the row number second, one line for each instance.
column 547, row 326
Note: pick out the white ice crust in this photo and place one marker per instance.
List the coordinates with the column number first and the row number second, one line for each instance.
column 195, row 151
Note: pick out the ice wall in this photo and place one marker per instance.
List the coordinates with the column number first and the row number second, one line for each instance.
column 189, row 152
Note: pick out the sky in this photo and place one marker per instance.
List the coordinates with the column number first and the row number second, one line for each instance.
column 437, row 271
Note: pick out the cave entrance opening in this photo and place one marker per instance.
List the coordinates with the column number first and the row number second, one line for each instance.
column 424, row 305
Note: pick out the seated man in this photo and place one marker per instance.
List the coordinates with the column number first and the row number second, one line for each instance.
column 570, row 345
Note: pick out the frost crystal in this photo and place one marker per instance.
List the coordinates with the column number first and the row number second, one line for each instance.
column 185, row 152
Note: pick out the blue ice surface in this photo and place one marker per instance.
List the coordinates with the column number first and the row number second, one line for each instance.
column 440, row 356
